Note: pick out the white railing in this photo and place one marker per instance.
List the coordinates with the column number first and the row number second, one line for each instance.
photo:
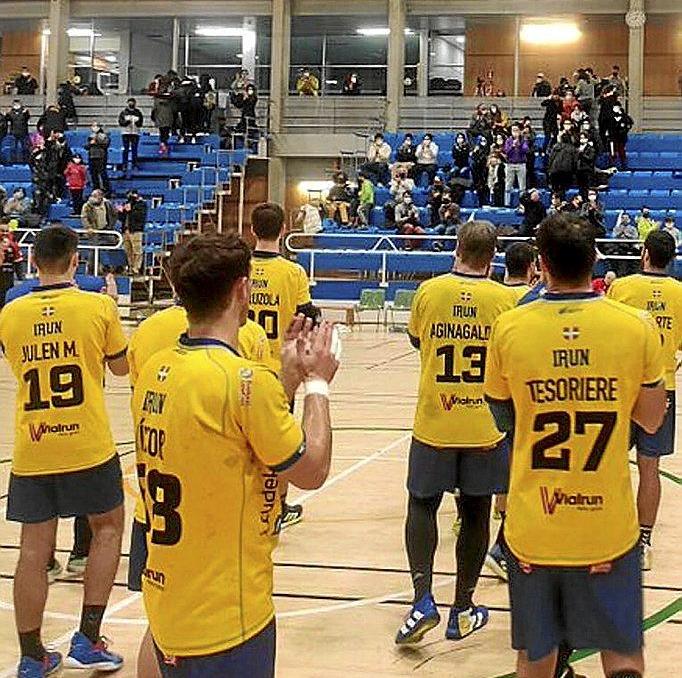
column 96, row 248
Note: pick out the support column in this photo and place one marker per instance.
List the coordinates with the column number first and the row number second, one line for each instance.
column 175, row 48
column 279, row 89
column 57, row 47
column 249, row 45
column 636, row 19
column 517, row 57
column 423, row 68
column 396, row 63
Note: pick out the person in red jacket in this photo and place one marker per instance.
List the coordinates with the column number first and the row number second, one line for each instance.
column 76, row 179
column 570, row 103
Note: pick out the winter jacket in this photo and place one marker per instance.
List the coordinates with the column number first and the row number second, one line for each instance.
column 26, row 86
column 164, row 112
column 380, row 153
column 563, row 158
column 57, row 156
column 135, row 219
column 515, row 152
column 460, row 155
column 542, row 89
column 17, row 122
column 98, row 146
column 553, row 108
column 130, row 120
column 618, row 126
column 76, row 176
column 586, row 157
column 65, row 102
column 51, row 120
column 89, row 219
column 406, row 154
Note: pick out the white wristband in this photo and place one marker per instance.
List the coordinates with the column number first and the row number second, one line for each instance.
column 317, row 387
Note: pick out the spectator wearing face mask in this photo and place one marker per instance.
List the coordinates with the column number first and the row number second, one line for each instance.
column 76, row 179
column 130, row 120
column 17, row 205
column 618, row 126
column 133, row 215
column 569, row 104
column 542, row 87
column 587, row 156
column 593, row 210
column 52, row 120
column 584, row 92
column 480, row 125
column 57, row 157
column 437, row 194
column 97, row 146
column 624, row 229
column 248, row 124
column 563, row 161
column 528, row 135
column 550, row 126
column 407, row 220
column 578, row 117
column 460, row 152
column 338, row 200
column 556, row 204
column 405, row 155
column 449, row 218
column 163, row 115
column 11, row 259
column 16, row 121
column 495, row 180
column 378, row 155
column 645, row 223
column 427, row 159
column 98, row 214
column 352, row 86
column 26, row 84
column 670, row 227
column 530, row 205
column 499, row 119
column 617, row 82
column 307, row 84
column 401, row 183
column 516, row 152
column 479, row 169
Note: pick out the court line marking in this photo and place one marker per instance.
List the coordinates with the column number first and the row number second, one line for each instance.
column 306, row 496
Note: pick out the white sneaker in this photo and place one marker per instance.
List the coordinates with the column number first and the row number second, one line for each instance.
column 647, row 557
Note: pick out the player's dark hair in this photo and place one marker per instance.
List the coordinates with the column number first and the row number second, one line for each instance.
column 518, row 258
column 204, row 270
column 267, row 220
column 476, row 241
column 661, row 248
column 566, row 245
column 54, row 248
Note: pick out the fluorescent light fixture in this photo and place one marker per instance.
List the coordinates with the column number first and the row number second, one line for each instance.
column 321, row 186
column 77, row 33
column 218, row 31
column 378, row 31
column 111, row 58
column 550, row 33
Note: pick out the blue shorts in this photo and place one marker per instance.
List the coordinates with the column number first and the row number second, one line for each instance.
column 550, row 605
column 662, row 442
column 137, row 560
column 254, row 658
column 433, row 471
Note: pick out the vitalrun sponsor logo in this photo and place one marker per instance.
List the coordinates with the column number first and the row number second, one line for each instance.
column 450, row 401
column 555, row 498
column 42, row 429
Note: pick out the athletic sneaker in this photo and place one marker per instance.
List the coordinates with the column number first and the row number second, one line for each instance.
column 32, row 668
column 84, row 654
column 54, row 569
column 647, row 556
column 291, row 514
column 464, row 621
column 422, row 618
column 76, row 564
column 496, row 562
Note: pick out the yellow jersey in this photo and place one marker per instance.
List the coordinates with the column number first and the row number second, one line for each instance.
column 570, row 499
column 278, row 288
column 162, row 330
column 451, row 318
column 212, row 432
column 519, row 289
column 661, row 296
column 56, row 340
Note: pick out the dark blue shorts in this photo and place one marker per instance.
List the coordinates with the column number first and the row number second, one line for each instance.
column 37, row 499
column 253, row 659
column 137, row 560
column 554, row 604
column 662, row 442
column 433, row 471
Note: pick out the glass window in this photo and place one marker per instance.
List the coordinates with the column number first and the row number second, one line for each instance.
column 221, row 51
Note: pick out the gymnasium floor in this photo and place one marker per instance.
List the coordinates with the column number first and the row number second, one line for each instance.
column 341, row 580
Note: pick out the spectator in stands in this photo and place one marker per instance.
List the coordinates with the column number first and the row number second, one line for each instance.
column 460, row 152
column 155, row 85
column 98, row 214
column 645, row 223
column 41, row 195
column 542, row 87
column 499, row 120
column 209, row 101
column 556, row 204
column 584, row 93
column 240, row 82
column 563, row 162
column 578, row 117
column 133, row 215
column 530, row 205
column 3, row 132
column 352, row 85
column 480, row 124
column 479, row 169
column 52, row 120
column 97, row 146
column 248, row 124
column 26, row 84
column 569, row 104
column 585, row 163
column 624, row 229
column 516, row 153
column 130, row 120
column 593, row 210
column 550, row 122
column 618, row 126
column 608, row 100
column 365, row 200
column 528, row 135
column 57, row 157
column 163, row 115
column 308, row 219
column 400, row 183
column 76, row 179
column 435, row 198
column 183, row 96
column 66, row 103
column 407, row 220
column 406, row 154
column 307, row 84
column 10, row 259
column 17, row 128
column 520, row 265
column 563, row 87
column 670, row 227
column 495, row 180
column 568, row 129
column 18, row 205
column 339, row 200
column 449, row 217
column 427, row 159
column 616, row 82
column 378, row 155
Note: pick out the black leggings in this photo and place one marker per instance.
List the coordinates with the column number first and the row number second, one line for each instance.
column 421, row 538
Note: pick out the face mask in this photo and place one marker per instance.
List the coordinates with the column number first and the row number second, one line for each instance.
column 94, row 128
column 25, row 74
column 408, row 201
column 77, row 161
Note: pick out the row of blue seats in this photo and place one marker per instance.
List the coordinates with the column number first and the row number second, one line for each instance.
column 168, row 212
column 635, row 199
column 646, row 180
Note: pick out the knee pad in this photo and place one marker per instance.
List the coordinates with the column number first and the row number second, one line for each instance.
column 625, row 674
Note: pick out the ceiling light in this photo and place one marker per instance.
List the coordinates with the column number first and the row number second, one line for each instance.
column 218, row 32
column 314, row 186
column 550, row 33
column 77, row 33
column 379, row 31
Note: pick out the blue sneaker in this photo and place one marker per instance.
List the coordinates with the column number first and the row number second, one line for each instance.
column 421, row 619
column 464, row 621
column 497, row 563
column 84, row 654
column 32, row 668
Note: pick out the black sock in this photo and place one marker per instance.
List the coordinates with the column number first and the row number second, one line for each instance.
column 563, row 655
column 91, row 620
column 31, row 645
column 82, row 536
column 645, row 534
column 472, row 545
column 421, row 538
